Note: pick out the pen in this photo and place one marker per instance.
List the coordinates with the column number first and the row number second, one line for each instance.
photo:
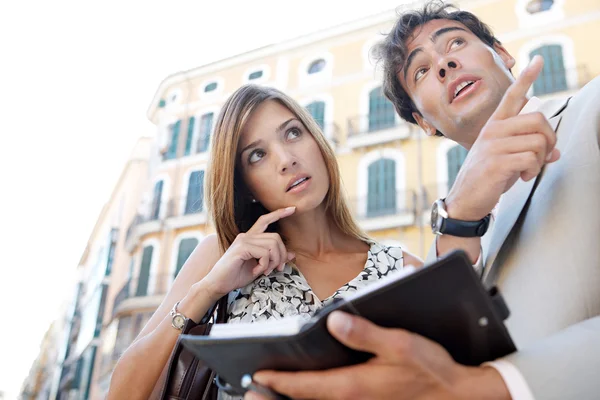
column 248, row 383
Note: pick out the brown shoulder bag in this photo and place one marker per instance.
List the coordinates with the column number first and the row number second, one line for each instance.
column 185, row 376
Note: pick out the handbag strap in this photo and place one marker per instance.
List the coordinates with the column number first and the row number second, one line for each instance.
column 222, row 310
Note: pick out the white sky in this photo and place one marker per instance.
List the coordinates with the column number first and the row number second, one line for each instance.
column 76, row 79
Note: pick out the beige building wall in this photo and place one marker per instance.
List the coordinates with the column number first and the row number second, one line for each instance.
column 344, row 85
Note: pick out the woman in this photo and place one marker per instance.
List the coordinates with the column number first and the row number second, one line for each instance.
column 274, row 192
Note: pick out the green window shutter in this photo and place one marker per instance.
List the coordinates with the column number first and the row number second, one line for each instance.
column 316, row 66
column 190, row 136
column 156, row 200
column 373, row 189
column 381, row 198
column 206, row 122
column 195, row 194
column 172, row 152
column 455, row 156
column 381, row 111
column 144, row 276
column 162, row 103
column 553, row 77
column 389, row 186
column 186, row 246
column 210, row 87
column 317, row 110
column 255, row 75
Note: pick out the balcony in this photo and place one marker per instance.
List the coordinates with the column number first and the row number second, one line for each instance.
column 368, row 130
column 558, row 83
column 180, row 214
column 332, row 133
column 174, row 213
column 394, row 210
column 142, row 225
column 142, row 293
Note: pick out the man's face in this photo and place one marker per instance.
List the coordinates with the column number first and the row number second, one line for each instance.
column 455, row 80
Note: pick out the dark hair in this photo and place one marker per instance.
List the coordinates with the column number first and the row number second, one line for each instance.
column 392, row 51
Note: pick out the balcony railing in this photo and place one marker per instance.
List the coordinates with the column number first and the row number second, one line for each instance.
column 398, row 206
column 550, row 82
column 171, row 208
column 138, row 287
column 180, row 206
column 371, row 123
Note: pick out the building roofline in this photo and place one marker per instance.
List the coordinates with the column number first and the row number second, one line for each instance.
column 266, row 51
column 134, row 158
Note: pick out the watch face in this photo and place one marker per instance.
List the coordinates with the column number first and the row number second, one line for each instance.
column 178, row 321
column 434, row 217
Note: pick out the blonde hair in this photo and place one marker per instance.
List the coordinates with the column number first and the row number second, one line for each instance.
column 228, row 198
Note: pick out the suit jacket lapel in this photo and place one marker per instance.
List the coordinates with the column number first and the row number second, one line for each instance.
column 513, row 201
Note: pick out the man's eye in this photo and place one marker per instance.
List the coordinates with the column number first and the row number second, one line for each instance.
column 456, row 42
column 293, row 133
column 420, row 72
column 255, row 156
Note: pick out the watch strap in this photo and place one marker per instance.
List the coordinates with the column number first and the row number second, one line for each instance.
column 456, row 227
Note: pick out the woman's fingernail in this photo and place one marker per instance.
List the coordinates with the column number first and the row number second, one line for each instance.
column 288, row 209
column 291, row 255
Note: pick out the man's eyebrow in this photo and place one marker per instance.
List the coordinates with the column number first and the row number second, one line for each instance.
column 278, row 130
column 410, row 58
column 440, row 32
column 434, row 37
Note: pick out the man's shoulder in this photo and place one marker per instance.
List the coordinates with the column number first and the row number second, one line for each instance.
column 588, row 93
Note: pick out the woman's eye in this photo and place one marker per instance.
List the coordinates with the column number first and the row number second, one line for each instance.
column 293, row 133
column 420, row 73
column 255, row 156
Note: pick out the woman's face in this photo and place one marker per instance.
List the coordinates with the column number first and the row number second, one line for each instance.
column 280, row 161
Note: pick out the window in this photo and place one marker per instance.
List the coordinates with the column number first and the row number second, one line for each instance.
column 455, row 156
column 186, row 246
column 536, row 6
column 195, row 193
column 205, row 129
column 553, row 77
column 156, row 200
column 162, row 103
column 381, row 195
column 190, row 136
column 316, row 66
column 381, row 111
column 144, row 275
column 317, row 110
column 255, row 75
column 211, row 87
column 173, row 141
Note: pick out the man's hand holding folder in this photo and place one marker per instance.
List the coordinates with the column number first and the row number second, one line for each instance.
column 412, row 362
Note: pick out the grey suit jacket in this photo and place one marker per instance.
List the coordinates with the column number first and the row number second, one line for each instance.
column 543, row 253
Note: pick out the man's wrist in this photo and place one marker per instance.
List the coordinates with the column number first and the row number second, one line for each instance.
column 455, row 211
column 483, row 383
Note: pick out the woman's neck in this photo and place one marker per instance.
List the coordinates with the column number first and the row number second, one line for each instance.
column 312, row 233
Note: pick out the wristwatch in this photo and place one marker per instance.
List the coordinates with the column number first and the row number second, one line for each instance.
column 442, row 225
column 178, row 319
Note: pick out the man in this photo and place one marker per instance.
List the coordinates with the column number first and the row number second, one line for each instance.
column 445, row 71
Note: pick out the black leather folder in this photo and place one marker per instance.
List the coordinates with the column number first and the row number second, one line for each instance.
column 444, row 301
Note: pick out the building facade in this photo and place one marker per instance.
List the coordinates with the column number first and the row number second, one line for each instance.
column 391, row 171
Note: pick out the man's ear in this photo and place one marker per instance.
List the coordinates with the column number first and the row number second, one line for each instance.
column 507, row 59
column 424, row 124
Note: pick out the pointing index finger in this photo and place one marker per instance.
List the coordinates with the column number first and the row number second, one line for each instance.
column 515, row 97
column 263, row 222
